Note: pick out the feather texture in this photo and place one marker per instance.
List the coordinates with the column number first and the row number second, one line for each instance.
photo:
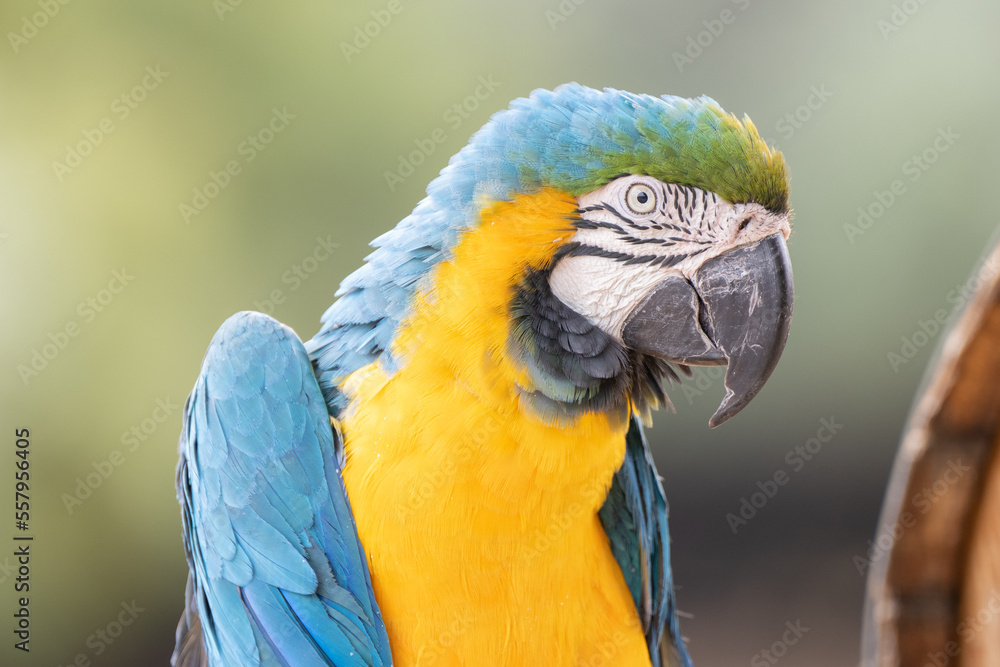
column 278, row 576
column 634, row 516
column 484, row 512
column 481, row 413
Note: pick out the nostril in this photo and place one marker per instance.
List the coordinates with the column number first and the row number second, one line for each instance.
column 744, row 223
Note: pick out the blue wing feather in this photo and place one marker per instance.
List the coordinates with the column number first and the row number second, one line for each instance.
column 634, row 516
column 278, row 575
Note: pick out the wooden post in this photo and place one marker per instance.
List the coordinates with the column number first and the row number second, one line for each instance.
column 936, row 560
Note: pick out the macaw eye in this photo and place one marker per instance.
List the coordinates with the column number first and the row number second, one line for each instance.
column 640, row 199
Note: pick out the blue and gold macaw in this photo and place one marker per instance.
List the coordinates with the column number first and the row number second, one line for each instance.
column 453, row 471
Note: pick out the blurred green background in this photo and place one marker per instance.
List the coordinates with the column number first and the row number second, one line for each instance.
column 883, row 79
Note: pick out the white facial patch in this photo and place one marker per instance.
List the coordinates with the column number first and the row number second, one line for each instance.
column 636, row 231
column 603, row 290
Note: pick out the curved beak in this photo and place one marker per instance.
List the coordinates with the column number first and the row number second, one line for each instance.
column 735, row 311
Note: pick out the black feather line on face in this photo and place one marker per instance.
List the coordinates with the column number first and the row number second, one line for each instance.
column 581, row 223
column 577, row 367
column 604, row 206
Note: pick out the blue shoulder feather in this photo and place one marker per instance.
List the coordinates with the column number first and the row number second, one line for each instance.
column 278, row 575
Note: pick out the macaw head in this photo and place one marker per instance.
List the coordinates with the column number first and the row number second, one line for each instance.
column 638, row 234
column 677, row 273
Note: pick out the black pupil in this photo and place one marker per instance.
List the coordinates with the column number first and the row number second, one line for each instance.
column 642, row 197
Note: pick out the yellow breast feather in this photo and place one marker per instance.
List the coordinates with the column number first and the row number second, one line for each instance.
column 480, row 519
